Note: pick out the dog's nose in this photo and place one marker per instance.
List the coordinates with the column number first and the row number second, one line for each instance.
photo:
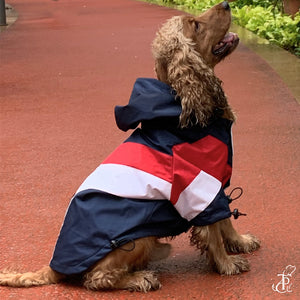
column 226, row 5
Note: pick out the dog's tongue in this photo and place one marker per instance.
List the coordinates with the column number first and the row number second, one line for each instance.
column 228, row 38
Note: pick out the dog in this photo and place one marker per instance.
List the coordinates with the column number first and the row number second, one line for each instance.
column 168, row 177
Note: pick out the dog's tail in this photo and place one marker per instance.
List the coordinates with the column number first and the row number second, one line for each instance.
column 43, row 276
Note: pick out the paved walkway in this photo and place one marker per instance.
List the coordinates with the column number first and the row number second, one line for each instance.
column 64, row 66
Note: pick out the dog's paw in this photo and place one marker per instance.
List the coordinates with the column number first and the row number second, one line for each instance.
column 234, row 265
column 246, row 243
column 143, row 281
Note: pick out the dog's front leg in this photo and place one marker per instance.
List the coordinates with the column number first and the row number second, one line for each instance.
column 236, row 243
column 209, row 238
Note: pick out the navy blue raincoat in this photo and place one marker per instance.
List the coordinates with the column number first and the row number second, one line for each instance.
column 161, row 181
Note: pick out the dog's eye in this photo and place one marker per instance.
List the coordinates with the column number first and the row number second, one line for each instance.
column 197, row 26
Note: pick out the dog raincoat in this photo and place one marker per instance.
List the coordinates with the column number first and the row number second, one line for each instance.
column 161, row 181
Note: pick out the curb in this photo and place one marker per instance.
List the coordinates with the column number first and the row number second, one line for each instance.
column 285, row 64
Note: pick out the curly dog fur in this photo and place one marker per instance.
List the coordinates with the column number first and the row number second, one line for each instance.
column 185, row 50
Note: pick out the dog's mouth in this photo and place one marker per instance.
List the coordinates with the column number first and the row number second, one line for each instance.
column 226, row 45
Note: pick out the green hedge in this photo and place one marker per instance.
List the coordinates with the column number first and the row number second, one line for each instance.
column 263, row 17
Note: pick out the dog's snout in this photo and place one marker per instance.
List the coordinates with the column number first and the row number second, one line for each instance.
column 226, row 5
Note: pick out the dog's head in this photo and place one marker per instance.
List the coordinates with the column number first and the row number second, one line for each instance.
column 186, row 49
column 209, row 33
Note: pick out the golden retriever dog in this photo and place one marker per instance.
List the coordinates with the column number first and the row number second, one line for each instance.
column 167, row 178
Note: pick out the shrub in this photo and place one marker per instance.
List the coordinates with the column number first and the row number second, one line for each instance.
column 270, row 24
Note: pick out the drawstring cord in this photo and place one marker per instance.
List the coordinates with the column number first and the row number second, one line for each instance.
column 235, row 212
column 237, row 197
column 114, row 244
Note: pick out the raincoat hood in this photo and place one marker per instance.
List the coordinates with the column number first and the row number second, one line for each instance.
column 150, row 100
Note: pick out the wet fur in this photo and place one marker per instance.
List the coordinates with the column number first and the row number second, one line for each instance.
column 184, row 60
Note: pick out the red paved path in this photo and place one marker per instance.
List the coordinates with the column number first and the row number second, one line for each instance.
column 64, row 66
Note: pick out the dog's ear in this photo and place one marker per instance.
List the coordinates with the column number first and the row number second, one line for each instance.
column 161, row 70
column 199, row 89
column 178, row 64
